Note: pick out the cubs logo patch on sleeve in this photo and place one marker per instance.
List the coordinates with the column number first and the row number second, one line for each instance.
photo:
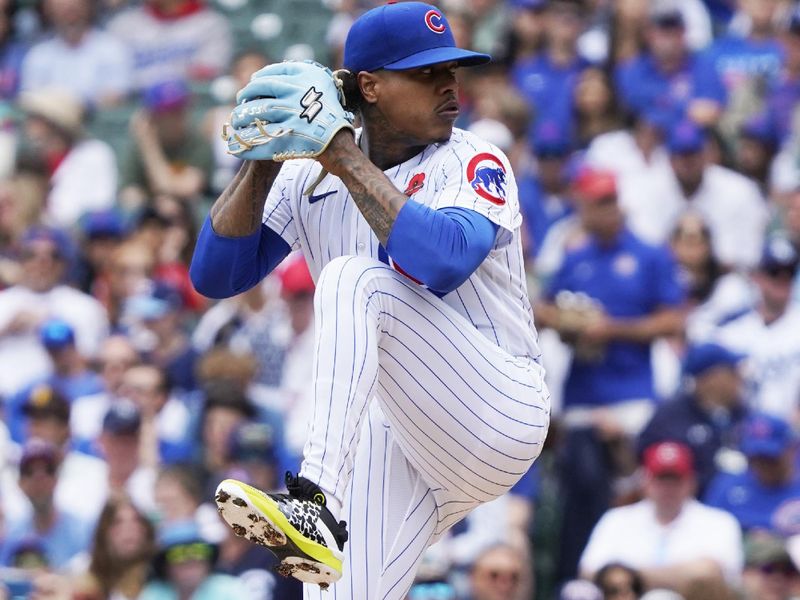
column 487, row 176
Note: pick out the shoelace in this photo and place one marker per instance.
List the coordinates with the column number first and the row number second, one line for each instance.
column 304, row 489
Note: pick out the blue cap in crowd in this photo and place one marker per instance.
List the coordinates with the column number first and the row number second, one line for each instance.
column 166, row 95
column 701, row 357
column 760, row 127
column 766, row 435
column 56, row 334
column 181, row 542
column 528, row 4
column 159, row 301
column 59, row 238
column 686, row 138
column 779, row 253
column 122, row 418
column 103, row 224
column 404, row 35
column 794, row 21
column 550, row 139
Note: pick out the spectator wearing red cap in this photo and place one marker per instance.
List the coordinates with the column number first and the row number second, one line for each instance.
column 611, row 298
column 674, row 541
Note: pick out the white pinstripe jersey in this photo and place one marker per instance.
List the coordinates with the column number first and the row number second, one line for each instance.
column 465, row 172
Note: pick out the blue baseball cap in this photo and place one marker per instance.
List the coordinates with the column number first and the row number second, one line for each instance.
column 760, row 127
column 56, row 333
column 406, row 35
column 766, row 435
column 779, row 253
column 686, row 138
column 702, row 357
column 551, row 139
column 166, row 95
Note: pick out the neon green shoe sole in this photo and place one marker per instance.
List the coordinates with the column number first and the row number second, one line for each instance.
column 299, row 532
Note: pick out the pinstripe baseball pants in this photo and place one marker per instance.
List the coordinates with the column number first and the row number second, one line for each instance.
column 456, row 421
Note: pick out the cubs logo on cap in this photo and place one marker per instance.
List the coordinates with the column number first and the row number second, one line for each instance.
column 404, row 35
column 487, row 176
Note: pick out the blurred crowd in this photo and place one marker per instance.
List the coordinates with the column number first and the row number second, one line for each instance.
column 656, row 148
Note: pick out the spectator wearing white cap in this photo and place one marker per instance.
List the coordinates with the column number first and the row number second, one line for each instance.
column 81, row 171
column 669, row 537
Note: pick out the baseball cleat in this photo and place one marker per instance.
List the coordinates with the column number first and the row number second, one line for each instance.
column 296, row 527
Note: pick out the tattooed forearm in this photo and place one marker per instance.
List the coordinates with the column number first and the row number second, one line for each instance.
column 376, row 197
column 237, row 212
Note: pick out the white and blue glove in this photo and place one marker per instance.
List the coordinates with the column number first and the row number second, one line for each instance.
column 288, row 110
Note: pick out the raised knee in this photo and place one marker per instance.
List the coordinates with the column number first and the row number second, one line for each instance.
column 349, row 271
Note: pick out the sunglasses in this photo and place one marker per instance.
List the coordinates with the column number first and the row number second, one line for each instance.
column 30, row 470
column 188, row 552
column 785, row 273
column 778, row 568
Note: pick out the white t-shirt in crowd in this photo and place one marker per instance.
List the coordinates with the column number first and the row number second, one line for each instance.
column 730, row 203
column 98, row 67
column 616, row 151
column 632, row 535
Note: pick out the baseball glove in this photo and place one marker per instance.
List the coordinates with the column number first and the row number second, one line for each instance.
column 288, row 110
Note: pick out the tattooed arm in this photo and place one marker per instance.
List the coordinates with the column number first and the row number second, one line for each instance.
column 376, row 197
column 234, row 250
column 238, row 210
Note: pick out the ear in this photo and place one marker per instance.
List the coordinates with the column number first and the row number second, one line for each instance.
column 369, row 84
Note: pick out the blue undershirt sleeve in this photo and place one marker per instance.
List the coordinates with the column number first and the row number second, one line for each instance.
column 223, row 266
column 440, row 248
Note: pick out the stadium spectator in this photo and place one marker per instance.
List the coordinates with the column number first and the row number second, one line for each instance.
column 769, row 572
column 120, row 444
column 81, row 171
column 663, row 76
column 669, row 537
column 116, row 356
column 79, row 490
column 174, row 39
column 71, row 374
column 101, row 232
column 496, row 574
column 544, row 194
column 123, row 547
column 766, row 333
column 168, row 156
column 62, row 534
column 547, row 80
column 166, row 420
column 783, row 94
column 612, row 296
column 527, row 29
column 767, row 495
column 707, row 415
column 730, row 203
column 595, row 106
column 757, row 147
column 184, row 568
column 77, row 56
column 619, row 582
column 739, row 63
column 129, row 271
column 12, row 51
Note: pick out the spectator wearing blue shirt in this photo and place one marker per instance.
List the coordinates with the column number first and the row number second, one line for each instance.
column 784, row 93
column 663, row 77
column 71, row 374
column 544, row 195
column 630, row 296
column 61, row 534
column 547, row 80
column 737, row 63
column 706, row 416
column 767, row 495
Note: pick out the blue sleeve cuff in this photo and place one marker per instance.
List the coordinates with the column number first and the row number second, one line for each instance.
column 440, row 248
column 223, row 266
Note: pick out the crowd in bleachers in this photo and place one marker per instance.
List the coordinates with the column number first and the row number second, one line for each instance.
column 656, row 148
